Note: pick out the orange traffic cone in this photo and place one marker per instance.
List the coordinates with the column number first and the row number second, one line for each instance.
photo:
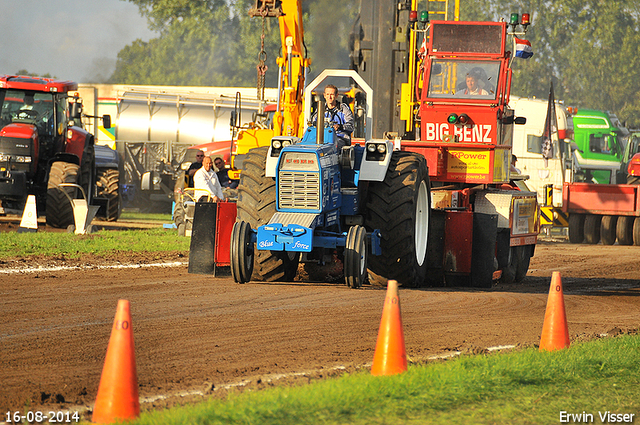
column 390, row 356
column 118, row 391
column 555, row 332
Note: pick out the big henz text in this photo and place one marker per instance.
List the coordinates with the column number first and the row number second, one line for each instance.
column 480, row 133
column 605, row 417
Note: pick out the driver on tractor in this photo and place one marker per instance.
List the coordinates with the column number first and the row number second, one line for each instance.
column 28, row 103
column 339, row 116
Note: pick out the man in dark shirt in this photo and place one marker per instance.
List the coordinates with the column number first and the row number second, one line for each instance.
column 223, row 174
column 195, row 166
column 339, row 116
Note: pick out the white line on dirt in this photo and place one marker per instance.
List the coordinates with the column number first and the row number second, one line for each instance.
column 276, row 376
column 264, row 378
column 88, row 267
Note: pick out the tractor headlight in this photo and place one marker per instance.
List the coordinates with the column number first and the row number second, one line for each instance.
column 276, row 144
column 23, row 159
column 286, row 143
column 376, row 151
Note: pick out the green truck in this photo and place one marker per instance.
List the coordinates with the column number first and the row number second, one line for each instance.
column 600, row 138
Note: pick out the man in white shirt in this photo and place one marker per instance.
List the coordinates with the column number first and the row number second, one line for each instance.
column 206, row 182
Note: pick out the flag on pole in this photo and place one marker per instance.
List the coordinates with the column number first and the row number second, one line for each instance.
column 423, row 48
column 523, row 48
column 550, row 127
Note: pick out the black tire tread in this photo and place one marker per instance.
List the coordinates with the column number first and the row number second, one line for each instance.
column 108, row 186
column 524, row 259
column 608, row 229
column 352, row 263
column 509, row 271
column 87, row 177
column 576, row 228
column 636, row 231
column 59, row 211
column 592, row 229
column 391, row 208
column 624, row 230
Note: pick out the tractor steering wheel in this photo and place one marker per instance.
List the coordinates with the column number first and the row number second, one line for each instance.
column 27, row 114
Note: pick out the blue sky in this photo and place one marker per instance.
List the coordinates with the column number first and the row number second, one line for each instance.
column 75, row 40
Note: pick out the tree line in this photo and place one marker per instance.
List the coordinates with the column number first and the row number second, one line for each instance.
column 588, row 49
column 216, row 43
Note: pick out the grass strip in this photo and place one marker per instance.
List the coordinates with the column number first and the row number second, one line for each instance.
column 133, row 216
column 520, row 387
column 105, row 241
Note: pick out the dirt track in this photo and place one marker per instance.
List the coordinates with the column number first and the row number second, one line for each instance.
column 199, row 334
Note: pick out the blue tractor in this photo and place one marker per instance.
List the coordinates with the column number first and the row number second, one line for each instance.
column 302, row 200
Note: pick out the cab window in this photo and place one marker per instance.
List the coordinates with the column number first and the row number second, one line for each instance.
column 600, row 143
column 468, row 79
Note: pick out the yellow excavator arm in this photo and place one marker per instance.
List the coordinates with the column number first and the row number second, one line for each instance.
column 288, row 119
column 292, row 63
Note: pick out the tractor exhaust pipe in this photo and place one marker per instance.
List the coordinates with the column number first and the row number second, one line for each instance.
column 320, row 122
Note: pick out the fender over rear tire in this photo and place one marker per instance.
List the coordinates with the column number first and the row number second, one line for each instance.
column 59, row 210
column 400, row 207
column 256, row 205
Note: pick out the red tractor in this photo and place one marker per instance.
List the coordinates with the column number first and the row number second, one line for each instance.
column 43, row 145
column 453, row 94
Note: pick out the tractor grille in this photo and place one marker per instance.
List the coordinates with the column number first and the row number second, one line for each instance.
column 299, row 190
column 14, row 146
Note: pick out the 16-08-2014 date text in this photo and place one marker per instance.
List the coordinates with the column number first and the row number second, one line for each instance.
column 49, row 417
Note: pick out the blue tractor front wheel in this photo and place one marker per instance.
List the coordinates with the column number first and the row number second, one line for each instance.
column 241, row 252
column 355, row 257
